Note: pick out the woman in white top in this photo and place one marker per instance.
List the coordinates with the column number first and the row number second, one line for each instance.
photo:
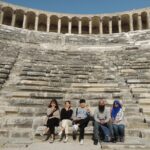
column 117, row 119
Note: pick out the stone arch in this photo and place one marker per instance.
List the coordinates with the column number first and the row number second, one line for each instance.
column 75, row 27
column 8, row 12
column 64, row 24
column 42, row 24
column 19, row 18
column 144, row 20
column 53, row 23
column 115, row 27
column 95, row 25
column 85, row 25
column 125, row 23
column 105, row 24
column 30, row 22
column 135, row 21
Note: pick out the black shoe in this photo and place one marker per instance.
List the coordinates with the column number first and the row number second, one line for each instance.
column 122, row 139
column 47, row 137
column 74, row 135
column 95, row 142
column 113, row 140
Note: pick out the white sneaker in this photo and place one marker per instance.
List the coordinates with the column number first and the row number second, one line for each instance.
column 75, row 127
column 66, row 140
column 60, row 133
column 81, row 142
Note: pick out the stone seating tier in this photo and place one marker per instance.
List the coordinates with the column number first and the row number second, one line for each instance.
column 34, row 71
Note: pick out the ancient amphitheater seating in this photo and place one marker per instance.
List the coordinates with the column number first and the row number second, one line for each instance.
column 35, row 74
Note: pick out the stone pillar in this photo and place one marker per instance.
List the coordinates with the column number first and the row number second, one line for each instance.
column 139, row 22
column 69, row 26
column 90, row 26
column 48, row 24
column 148, row 20
column 59, row 25
column 131, row 22
column 79, row 27
column 119, row 25
column 13, row 19
column 101, row 26
column 24, row 21
column 36, row 22
column 110, row 26
column 1, row 17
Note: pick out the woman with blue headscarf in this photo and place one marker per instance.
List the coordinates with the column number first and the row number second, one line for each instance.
column 117, row 118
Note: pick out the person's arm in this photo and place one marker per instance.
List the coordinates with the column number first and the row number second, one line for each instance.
column 49, row 112
column 56, row 114
column 96, row 116
column 107, row 113
column 61, row 114
column 70, row 114
column 120, row 116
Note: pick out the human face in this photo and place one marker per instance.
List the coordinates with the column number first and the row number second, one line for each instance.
column 82, row 105
column 67, row 104
column 53, row 104
column 101, row 103
column 116, row 105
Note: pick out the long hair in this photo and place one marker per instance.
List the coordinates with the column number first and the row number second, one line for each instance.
column 53, row 101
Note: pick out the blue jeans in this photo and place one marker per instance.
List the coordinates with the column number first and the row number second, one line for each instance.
column 101, row 128
column 119, row 130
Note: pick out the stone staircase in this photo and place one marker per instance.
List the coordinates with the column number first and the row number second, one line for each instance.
column 31, row 74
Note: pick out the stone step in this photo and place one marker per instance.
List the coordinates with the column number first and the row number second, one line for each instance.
column 37, row 95
column 141, row 95
column 137, row 81
column 86, row 85
column 144, row 101
column 17, row 122
column 137, row 125
column 140, row 90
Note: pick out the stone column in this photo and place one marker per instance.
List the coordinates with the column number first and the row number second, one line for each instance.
column 131, row 22
column 90, row 26
column 24, row 21
column 79, row 27
column 13, row 19
column 139, row 22
column 48, row 24
column 101, row 26
column 1, row 18
column 119, row 25
column 110, row 26
column 59, row 25
column 36, row 22
column 69, row 26
column 148, row 20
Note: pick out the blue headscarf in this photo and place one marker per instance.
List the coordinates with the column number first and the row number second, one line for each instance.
column 115, row 110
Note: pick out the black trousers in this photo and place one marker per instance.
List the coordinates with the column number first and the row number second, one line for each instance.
column 52, row 123
column 82, row 124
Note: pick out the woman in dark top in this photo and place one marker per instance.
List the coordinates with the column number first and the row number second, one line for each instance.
column 53, row 115
column 66, row 118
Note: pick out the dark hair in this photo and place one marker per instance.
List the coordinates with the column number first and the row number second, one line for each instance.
column 53, row 101
column 82, row 101
column 67, row 102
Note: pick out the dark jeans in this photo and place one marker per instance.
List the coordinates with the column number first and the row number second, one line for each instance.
column 103, row 129
column 52, row 123
column 82, row 124
column 119, row 130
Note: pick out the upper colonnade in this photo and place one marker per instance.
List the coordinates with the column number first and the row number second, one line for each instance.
column 38, row 20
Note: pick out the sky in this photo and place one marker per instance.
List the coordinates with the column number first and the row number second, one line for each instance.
column 83, row 6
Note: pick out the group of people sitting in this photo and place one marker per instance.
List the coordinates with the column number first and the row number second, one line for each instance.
column 108, row 125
